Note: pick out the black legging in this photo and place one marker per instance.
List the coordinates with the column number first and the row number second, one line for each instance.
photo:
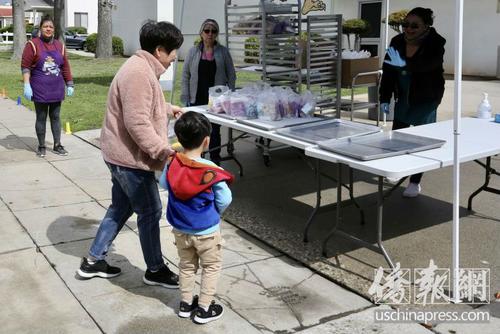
column 54, row 110
column 415, row 178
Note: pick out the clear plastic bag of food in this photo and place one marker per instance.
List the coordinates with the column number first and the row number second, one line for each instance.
column 268, row 106
column 308, row 104
column 213, row 94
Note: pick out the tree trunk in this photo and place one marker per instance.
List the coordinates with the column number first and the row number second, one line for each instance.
column 104, row 46
column 19, row 28
column 59, row 20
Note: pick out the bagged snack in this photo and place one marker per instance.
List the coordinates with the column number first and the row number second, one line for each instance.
column 238, row 103
column 268, row 107
column 308, row 104
column 214, row 93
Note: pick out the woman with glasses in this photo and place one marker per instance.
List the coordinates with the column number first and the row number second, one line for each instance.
column 413, row 74
column 207, row 64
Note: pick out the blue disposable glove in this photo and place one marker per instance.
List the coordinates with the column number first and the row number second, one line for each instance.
column 28, row 92
column 395, row 58
column 384, row 108
column 70, row 90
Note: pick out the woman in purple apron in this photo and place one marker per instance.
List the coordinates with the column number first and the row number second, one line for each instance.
column 46, row 72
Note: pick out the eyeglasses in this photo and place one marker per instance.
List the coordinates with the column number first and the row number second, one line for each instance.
column 412, row 25
column 208, row 31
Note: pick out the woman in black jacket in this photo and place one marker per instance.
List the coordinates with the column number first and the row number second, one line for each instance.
column 413, row 73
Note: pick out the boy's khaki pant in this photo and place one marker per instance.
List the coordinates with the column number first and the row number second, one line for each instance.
column 195, row 251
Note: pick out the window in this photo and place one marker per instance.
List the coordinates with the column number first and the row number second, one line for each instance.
column 81, row 20
column 372, row 12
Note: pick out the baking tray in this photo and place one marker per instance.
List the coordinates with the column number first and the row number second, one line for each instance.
column 381, row 145
column 330, row 129
column 283, row 123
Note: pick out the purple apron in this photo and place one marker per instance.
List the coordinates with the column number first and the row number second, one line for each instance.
column 46, row 79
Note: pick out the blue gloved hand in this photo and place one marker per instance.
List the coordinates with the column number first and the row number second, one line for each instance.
column 395, row 58
column 28, row 92
column 70, row 90
column 384, row 108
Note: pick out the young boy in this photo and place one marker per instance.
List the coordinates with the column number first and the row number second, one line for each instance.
column 197, row 195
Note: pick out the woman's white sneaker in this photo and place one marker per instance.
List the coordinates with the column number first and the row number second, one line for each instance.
column 412, row 190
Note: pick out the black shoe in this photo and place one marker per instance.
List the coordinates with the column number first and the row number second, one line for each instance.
column 59, row 149
column 163, row 277
column 41, row 151
column 99, row 269
column 214, row 312
column 185, row 309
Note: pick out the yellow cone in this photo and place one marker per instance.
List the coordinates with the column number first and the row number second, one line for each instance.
column 68, row 128
column 4, row 94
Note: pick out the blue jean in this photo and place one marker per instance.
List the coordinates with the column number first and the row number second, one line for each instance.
column 133, row 190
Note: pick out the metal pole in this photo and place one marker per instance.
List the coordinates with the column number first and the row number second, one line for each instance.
column 386, row 44
column 174, row 75
column 456, row 133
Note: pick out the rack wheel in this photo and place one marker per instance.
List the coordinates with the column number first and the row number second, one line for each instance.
column 267, row 160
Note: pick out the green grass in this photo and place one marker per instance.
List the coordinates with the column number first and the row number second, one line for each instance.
column 85, row 110
column 92, row 77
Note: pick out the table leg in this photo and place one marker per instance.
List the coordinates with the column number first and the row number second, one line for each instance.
column 230, row 149
column 317, row 175
column 485, row 186
column 351, row 195
column 338, row 215
column 380, row 216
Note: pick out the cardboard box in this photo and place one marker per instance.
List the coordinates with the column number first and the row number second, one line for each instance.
column 351, row 67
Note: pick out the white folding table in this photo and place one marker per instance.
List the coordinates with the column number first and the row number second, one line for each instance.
column 478, row 139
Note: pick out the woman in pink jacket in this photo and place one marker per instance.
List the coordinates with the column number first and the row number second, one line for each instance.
column 134, row 144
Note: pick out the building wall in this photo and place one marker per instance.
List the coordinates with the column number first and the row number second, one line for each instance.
column 195, row 12
column 78, row 6
column 128, row 18
column 480, row 38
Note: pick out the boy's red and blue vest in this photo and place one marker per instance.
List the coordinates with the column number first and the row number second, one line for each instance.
column 191, row 201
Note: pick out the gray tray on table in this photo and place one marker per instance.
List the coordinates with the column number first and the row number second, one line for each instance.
column 283, row 123
column 381, row 145
column 333, row 129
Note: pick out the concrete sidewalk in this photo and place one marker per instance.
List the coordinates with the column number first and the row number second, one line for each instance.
column 50, row 209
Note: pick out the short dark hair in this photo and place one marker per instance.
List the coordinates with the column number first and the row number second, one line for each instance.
column 154, row 34
column 426, row 14
column 191, row 128
column 45, row 19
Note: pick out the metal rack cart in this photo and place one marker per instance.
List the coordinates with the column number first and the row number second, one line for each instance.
column 254, row 45
column 353, row 105
column 324, row 60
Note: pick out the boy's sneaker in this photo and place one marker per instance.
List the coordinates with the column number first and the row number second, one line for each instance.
column 98, row 269
column 185, row 309
column 59, row 149
column 163, row 277
column 41, row 151
column 412, row 190
column 214, row 312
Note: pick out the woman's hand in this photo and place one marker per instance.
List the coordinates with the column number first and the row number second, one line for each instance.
column 28, row 92
column 395, row 58
column 177, row 111
column 70, row 90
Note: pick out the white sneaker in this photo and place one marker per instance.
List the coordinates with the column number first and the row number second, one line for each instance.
column 412, row 190
column 392, row 180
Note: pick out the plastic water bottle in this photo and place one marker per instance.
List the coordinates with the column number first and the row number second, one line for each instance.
column 484, row 108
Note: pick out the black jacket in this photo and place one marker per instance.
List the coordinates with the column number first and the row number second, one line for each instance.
column 426, row 68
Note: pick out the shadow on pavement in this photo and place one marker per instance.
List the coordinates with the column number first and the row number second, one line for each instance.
column 131, row 276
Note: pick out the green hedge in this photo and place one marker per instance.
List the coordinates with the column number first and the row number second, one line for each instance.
column 10, row 28
column 117, row 43
column 77, row 30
